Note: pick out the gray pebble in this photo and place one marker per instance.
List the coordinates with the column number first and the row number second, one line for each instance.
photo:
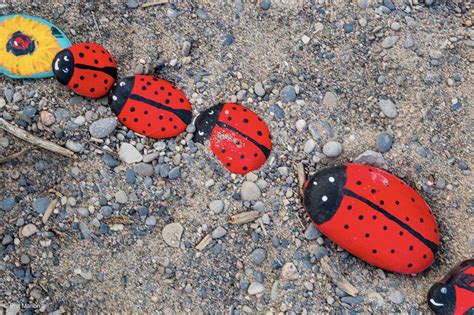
column 17, row 97
column 363, row 4
column 41, row 204
column 7, row 239
column 396, row 297
column 143, row 169
column 390, row 41
column 132, row 4
column 174, row 173
column 309, row 146
column 218, row 232
column 121, row 196
column 371, row 158
column 311, row 232
column 186, row 49
column 384, row 142
column 85, row 231
column 288, row 94
column 172, row 234
column 259, row 89
column 258, row 256
column 24, row 259
column 228, row 39
column 265, row 5
column 250, row 191
column 332, row 149
column 352, row 300
column 8, row 94
column 83, row 212
column 150, row 221
column 202, row 14
column 103, row 127
column 74, row 146
column 7, row 204
column 388, row 108
column 216, row 206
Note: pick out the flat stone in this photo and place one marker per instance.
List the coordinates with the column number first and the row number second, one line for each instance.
column 311, row 232
column 255, row 288
column 309, row 146
column 74, row 146
column 388, row 108
column 172, row 234
column 289, row 271
column 259, row 89
column 41, row 204
column 150, row 221
column 265, row 5
column 103, row 127
column 384, row 141
column 332, row 149
column 390, row 41
column 329, row 99
column 250, row 191
column 288, row 94
column 216, row 206
column 396, row 297
column 370, row 157
column 7, row 204
column 28, row 230
column 129, row 154
column 258, row 256
column 143, row 169
column 121, row 197
column 218, row 232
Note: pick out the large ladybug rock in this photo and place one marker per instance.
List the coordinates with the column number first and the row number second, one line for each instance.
column 238, row 137
column 86, row 68
column 373, row 215
column 454, row 294
column 150, row 106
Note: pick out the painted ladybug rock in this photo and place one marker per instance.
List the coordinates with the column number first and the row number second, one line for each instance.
column 239, row 137
column 87, row 68
column 150, row 106
column 454, row 294
column 373, row 215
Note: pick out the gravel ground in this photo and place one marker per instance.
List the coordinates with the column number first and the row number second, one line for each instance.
column 142, row 225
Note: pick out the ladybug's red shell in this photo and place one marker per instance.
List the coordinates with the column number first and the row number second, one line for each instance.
column 454, row 294
column 238, row 137
column 374, row 216
column 86, row 68
column 150, row 106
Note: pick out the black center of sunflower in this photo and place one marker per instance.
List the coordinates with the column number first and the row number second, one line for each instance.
column 20, row 44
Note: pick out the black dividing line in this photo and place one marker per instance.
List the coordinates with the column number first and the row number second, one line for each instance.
column 183, row 114
column 262, row 148
column 111, row 71
column 388, row 215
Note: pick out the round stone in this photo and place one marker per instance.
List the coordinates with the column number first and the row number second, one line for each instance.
column 332, row 149
column 172, row 234
column 288, row 94
column 388, row 108
column 219, row 232
column 216, row 206
column 103, row 127
column 250, row 191
column 258, row 256
column 384, row 141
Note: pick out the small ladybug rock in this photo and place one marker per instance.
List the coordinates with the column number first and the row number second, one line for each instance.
column 150, row 106
column 86, row 68
column 373, row 215
column 454, row 294
column 239, row 137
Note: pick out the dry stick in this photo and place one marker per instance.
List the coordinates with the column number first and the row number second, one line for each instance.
column 337, row 277
column 15, row 155
column 49, row 211
column 24, row 135
column 152, row 3
column 301, row 176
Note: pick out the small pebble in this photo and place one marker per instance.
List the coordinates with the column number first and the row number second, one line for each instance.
column 388, row 108
column 218, row 232
column 172, row 234
column 384, row 142
column 250, row 191
column 258, row 256
column 288, row 94
column 216, row 206
column 332, row 149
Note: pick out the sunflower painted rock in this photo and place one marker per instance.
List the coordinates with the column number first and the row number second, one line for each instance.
column 86, row 68
column 28, row 45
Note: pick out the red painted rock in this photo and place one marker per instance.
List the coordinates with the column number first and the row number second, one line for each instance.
column 454, row 294
column 150, row 106
column 86, row 68
column 238, row 137
column 373, row 215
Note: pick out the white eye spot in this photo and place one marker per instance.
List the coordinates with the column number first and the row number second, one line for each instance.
column 325, row 198
column 56, row 65
column 436, row 303
column 65, row 58
column 201, row 133
column 211, row 112
column 331, row 179
column 122, row 83
column 315, row 183
column 444, row 290
column 114, row 97
column 65, row 70
column 15, row 43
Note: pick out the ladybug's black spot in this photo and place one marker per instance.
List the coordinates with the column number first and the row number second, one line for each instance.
column 93, row 50
column 163, row 129
column 167, row 101
column 372, row 191
column 358, row 182
column 156, row 92
column 143, row 88
column 94, row 75
column 142, row 79
column 401, row 233
column 346, row 226
column 81, row 55
column 92, row 90
column 246, row 120
column 132, row 109
column 145, row 112
column 242, row 157
column 106, row 81
column 135, row 119
column 374, row 217
column 143, row 131
column 75, row 86
column 436, row 230
column 81, row 77
column 229, row 118
column 86, row 47
column 175, row 127
column 222, row 150
column 367, row 235
column 169, row 93
column 361, row 217
column 410, row 265
column 385, row 228
column 412, row 199
column 421, row 220
column 162, row 88
column 110, row 59
column 407, row 219
column 96, row 61
column 171, row 119
column 161, row 117
column 382, row 202
column 124, row 119
column 234, row 108
column 181, row 100
column 149, row 125
column 349, row 207
column 245, row 109
column 374, row 251
column 103, row 51
column 148, row 83
column 259, row 133
column 255, row 154
column 228, row 164
column 410, row 248
column 397, row 202
column 244, row 168
column 424, row 256
column 392, row 251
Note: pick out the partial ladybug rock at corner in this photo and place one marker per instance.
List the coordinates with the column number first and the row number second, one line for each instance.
column 454, row 294
column 238, row 137
column 373, row 215
column 86, row 68
column 150, row 106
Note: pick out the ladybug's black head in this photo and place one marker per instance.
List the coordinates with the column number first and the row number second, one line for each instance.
column 120, row 93
column 205, row 123
column 63, row 66
column 442, row 298
column 323, row 193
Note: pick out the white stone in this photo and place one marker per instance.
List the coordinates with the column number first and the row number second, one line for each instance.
column 129, row 154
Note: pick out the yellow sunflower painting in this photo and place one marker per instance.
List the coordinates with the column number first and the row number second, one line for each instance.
column 28, row 46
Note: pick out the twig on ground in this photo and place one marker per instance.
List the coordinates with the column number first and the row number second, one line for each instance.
column 15, row 155
column 49, row 211
column 244, row 217
column 26, row 136
column 337, row 277
column 204, row 242
column 301, row 176
column 153, row 3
